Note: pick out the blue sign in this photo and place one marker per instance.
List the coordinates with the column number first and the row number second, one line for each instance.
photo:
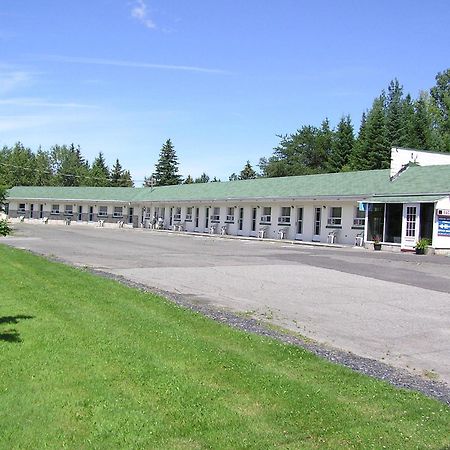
column 444, row 226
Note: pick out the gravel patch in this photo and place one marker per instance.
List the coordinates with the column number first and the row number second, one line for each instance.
column 371, row 367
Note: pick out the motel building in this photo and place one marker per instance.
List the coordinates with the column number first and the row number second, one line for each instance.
column 398, row 206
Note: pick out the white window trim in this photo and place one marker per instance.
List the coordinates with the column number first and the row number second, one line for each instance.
column 266, row 219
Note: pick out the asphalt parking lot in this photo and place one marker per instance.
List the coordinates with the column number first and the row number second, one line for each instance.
column 388, row 306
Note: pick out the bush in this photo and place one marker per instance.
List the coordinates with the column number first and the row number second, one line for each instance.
column 5, row 229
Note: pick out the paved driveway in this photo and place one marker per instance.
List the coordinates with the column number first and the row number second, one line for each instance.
column 388, row 306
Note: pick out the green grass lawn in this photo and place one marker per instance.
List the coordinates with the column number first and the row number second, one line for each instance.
column 88, row 363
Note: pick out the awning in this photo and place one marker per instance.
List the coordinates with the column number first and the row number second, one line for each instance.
column 406, row 199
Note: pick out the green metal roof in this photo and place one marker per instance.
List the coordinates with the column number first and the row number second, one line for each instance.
column 405, row 199
column 415, row 180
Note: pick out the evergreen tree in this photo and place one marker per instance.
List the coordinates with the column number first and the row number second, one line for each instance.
column 408, row 136
column 68, row 166
column 215, row 180
column 422, row 124
column 188, row 180
column 99, row 173
column 43, row 169
column 233, row 177
column 394, row 113
column 126, row 180
column 116, row 174
column 343, row 143
column 378, row 154
column 18, row 166
column 440, row 102
column 247, row 173
column 2, row 198
column 203, row 178
column 358, row 155
column 166, row 169
column 150, row 181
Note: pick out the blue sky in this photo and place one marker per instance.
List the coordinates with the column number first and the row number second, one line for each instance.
column 220, row 78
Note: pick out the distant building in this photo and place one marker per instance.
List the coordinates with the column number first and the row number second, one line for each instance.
column 398, row 205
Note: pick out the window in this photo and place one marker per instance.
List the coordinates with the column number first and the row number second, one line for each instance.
column 266, row 217
column 359, row 217
column 177, row 215
column 189, row 214
column 300, row 221
column 102, row 211
column 230, row 214
column 411, row 212
column 215, row 217
column 118, row 211
column 21, row 208
column 285, row 217
column 68, row 210
column 197, row 215
column 335, row 217
column 55, row 209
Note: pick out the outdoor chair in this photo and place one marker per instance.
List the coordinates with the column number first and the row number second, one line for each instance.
column 120, row 223
column 45, row 220
column 262, row 232
column 332, row 237
column 282, row 233
column 67, row 221
column 223, row 230
column 101, row 222
column 359, row 239
column 21, row 218
column 212, row 229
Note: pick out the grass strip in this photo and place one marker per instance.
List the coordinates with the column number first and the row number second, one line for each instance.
column 86, row 362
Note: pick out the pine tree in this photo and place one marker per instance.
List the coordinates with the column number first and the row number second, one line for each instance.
column 247, row 173
column 358, row 157
column 116, row 174
column 126, row 180
column 166, row 169
column 43, row 171
column 440, row 102
column 233, row 177
column 393, row 113
column 188, row 180
column 203, row 178
column 99, row 173
column 408, row 136
column 422, row 124
column 342, row 147
column 378, row 149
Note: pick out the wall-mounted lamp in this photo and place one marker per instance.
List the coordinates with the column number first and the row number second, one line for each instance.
column 292, row 207
column 324, row 207
column 258, row 206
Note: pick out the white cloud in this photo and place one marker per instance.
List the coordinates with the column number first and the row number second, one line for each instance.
column 119, row 63
column 140, row 13
column 41, row 103
column 11, row 80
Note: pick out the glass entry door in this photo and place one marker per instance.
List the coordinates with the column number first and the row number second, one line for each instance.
column 410, row 225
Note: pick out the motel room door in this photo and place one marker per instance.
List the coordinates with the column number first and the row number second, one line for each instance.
column 410, row 226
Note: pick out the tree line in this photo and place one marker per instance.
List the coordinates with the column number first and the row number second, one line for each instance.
column 394, row 120
column 62, row 165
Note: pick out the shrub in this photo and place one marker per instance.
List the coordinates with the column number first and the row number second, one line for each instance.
column 5, row 229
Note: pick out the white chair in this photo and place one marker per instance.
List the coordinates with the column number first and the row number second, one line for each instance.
column 223, row 230
column 67, row 221
column 282, row 233
column 332, row 237
column 101, row 222
column 359, row 239
column 120, row 223
column 262, row 232
column 212, row 229
column 45, row 220
column 21, row 218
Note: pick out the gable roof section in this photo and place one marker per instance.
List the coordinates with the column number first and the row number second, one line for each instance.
column 415, row 180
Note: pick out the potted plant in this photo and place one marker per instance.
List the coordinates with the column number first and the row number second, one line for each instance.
column 421, row 246
column 376, row 242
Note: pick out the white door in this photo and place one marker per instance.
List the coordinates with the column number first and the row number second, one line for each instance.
column 410, row 225
column 317, row 223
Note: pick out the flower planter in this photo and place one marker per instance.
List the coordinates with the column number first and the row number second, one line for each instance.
column 420, row 251
column 377, row 247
